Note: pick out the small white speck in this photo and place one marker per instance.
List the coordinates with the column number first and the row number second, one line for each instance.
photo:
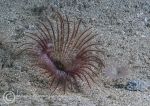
column 145, row 19
column 139, row 14
column 143, row 36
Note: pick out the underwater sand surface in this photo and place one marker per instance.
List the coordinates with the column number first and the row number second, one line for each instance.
column 123, row 28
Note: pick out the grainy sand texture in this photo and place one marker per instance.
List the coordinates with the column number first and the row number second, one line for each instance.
column 123, row 28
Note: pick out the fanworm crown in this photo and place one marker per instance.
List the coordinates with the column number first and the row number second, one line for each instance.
column 64, row 51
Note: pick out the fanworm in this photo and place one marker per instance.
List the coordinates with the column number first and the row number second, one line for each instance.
column 64, row 51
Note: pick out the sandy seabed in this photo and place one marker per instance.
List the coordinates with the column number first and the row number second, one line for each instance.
column 123, row 28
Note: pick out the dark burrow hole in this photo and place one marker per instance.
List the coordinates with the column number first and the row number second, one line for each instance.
column 59, row 65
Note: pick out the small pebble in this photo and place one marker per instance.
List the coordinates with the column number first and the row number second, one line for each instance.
column 137, row 85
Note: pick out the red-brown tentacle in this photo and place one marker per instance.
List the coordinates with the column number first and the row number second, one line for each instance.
column 40, row 41
column 89, row 68
column 53, row 80
column 50, row 37
column 42, row 33
column 58, row 82
column 81, row 53
column 85, row 78
column 80, row 36
column 67, row 38
column 69, row 42
column 57, row 38
column 62, row 33
column 53, row 32
column 24, row 44
column 85, row 41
